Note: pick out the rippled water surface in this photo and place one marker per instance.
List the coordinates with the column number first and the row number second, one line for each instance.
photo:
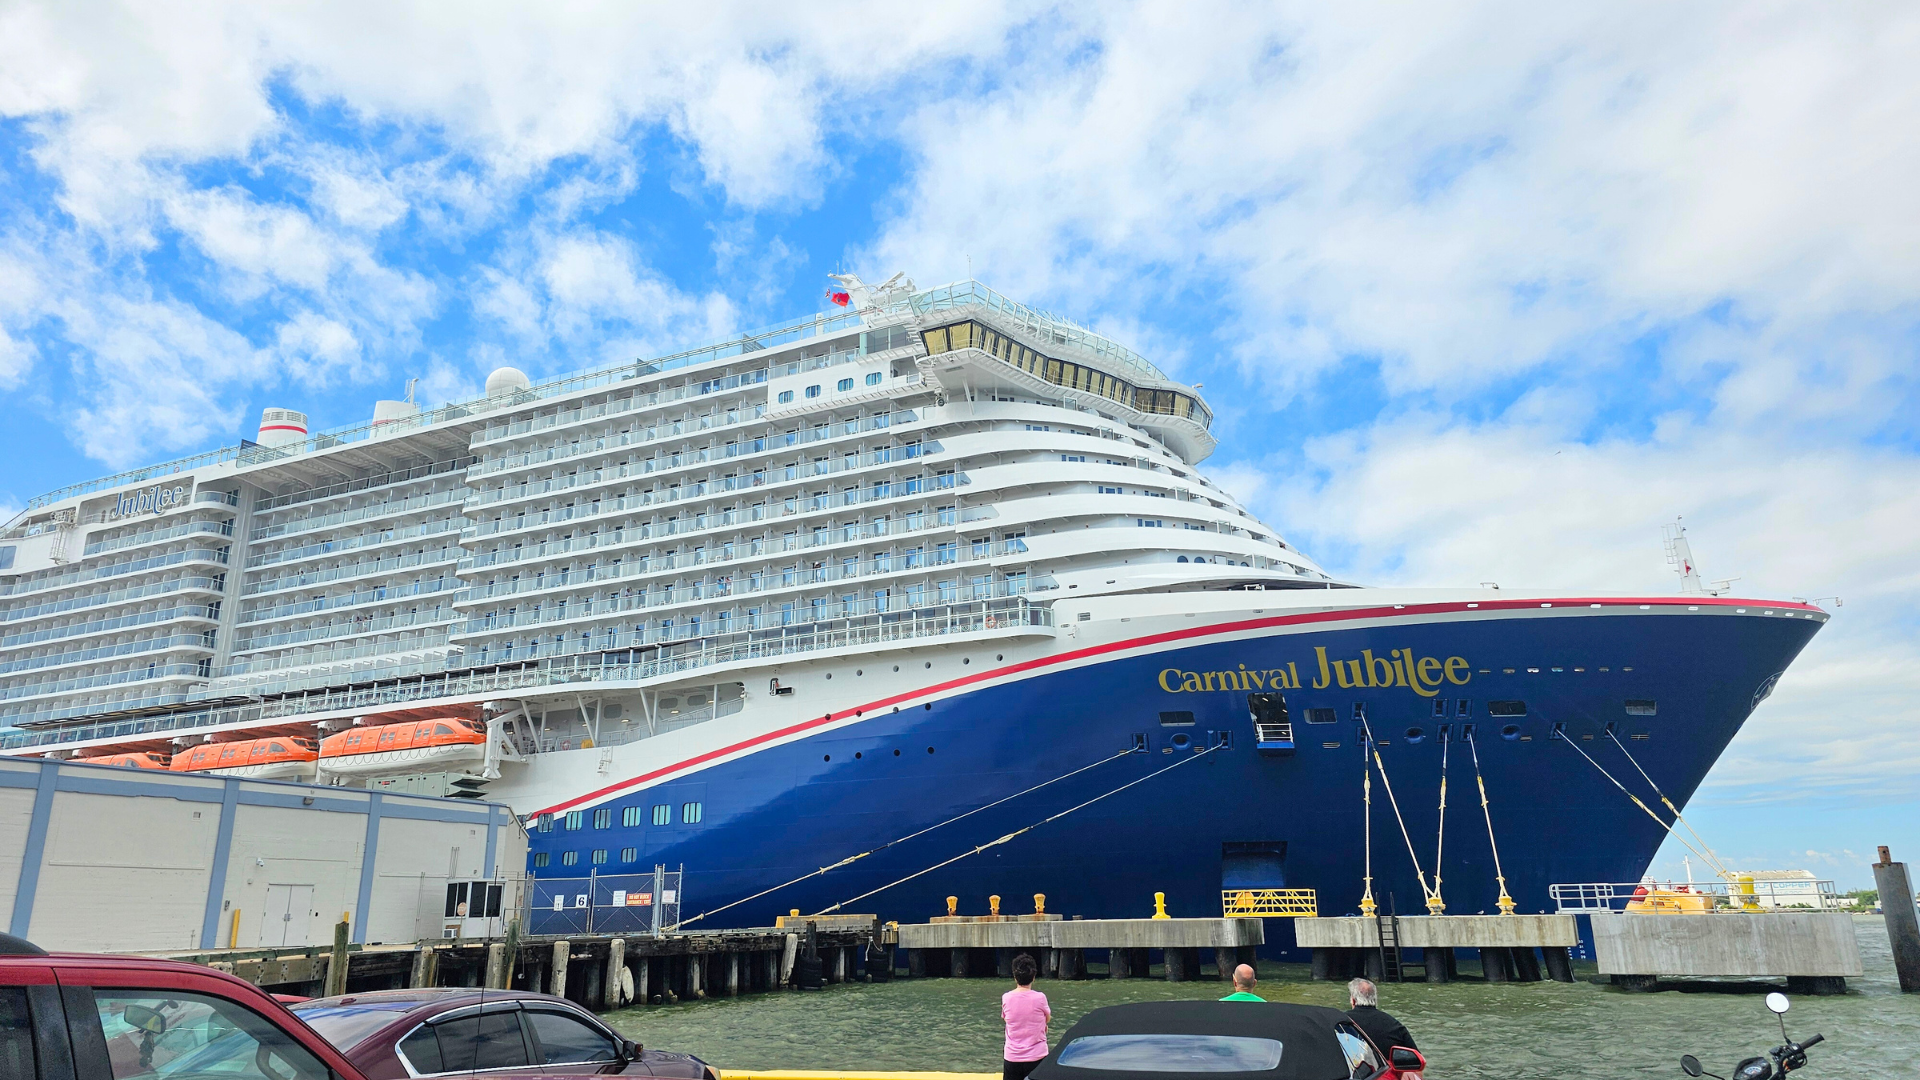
column 1467, row 1029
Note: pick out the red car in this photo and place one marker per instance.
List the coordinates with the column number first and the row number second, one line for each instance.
column 398, row 1034
column 74, row 1016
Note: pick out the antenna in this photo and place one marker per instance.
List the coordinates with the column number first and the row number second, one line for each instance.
column 1680, row 557
column 411, row 383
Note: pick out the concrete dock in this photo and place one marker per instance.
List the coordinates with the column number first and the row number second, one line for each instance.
column 959, row 948
column 1816, row 952
column 1347, row 946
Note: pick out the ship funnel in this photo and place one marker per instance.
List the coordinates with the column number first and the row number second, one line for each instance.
column 282, row 427
column 386, row 413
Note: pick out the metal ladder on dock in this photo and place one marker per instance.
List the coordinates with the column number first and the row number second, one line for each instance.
column 1389, row 931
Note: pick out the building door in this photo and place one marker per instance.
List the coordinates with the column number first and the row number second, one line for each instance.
column 287, row 918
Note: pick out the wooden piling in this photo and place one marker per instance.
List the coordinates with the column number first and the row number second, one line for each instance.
column 616, row 967
column 425, row 971
column 496, row 967
column 557, row 979
column 336, row 983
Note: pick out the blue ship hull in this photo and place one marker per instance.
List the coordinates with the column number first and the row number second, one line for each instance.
column 1234, row 815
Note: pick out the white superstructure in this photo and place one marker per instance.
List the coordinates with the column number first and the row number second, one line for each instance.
column 941, row 454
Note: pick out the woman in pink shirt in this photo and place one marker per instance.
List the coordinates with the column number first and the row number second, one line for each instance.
column 1026, row 1013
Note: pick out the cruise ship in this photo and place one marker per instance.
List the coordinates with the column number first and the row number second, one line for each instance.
column 871, row 591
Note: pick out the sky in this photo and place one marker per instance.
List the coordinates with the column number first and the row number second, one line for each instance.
column 1477, row 291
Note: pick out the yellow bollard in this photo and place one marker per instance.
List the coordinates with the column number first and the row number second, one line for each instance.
column 953, row 906
column 1039, row 903
column 1743, row 889
column 795, row 913
column 1160, row 906
column 993, row 906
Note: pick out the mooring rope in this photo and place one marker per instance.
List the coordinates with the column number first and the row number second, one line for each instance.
column 1636, row 799
column 1418, row 873
column 1367, row 905
column 1505, row 902
column 1016, row 833
column 1719, row 867
column 851, row 859
column 1435, row 905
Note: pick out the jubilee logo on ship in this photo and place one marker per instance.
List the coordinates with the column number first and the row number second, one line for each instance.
column 1424, row 675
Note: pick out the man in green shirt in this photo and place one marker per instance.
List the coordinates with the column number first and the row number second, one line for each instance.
column 1243, row 981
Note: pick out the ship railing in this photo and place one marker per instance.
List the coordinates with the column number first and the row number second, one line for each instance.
column 1741, row 893
column 1012, row 616
column 1244, row 903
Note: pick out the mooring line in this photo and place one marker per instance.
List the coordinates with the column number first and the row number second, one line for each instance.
column 1636, row 799
column 1719, row 867
column 851, row 859
column 1016, row 833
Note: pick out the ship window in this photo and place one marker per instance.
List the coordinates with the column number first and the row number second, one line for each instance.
column 629, row 854
column 599, row 856
column 1642, row 708
column 786, row 396
column 1322, row 716
column 1359, row 710
column 541, row 858
column 546, row 823
column 1267, row 708
column 1439, row 707
column 576, row 819
column 663, row 814
column 843, row 385
column 936, row 341
column 1506, row 708
column 569, row 858
column 1463, row 707
column 630, row 817
column 1176, row 719
column 438, row 729
column 603, row 818
column 814, row 390
column 873, row 378
column 690, row 813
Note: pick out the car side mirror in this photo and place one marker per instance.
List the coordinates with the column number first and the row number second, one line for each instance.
column 145, row 1019
column 1406, row 1059
column 630, row 1049
column 1690, row 1065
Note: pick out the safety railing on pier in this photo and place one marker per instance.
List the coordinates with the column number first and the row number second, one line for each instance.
column 1239, row 903
column 1742, row 894
column 634, row 903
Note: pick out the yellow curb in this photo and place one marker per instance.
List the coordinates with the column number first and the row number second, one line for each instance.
column 830, row 1074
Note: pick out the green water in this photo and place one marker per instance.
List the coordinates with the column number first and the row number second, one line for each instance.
column 1467, row 1029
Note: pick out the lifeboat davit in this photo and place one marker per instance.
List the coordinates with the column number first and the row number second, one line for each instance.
column 433, row 744
column 143, row 760
column 274, row 757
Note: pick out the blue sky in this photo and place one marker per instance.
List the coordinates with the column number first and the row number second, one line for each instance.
column 1478, row 293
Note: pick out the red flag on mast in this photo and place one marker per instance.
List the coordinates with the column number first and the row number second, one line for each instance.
column 840, row 298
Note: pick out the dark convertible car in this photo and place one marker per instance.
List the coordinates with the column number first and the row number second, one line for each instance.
column 398, row 1034
column 1215, row 1040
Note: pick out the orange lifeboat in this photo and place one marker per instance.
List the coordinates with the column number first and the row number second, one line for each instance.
column 272, row 757
column 141, row 760
column 437, row 742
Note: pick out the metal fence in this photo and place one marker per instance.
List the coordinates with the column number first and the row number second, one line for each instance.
column 605, row 903
column 1237, row 903
column 1742, row 894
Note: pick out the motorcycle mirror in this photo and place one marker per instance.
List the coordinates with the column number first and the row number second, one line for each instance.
column 1690, row 1065
column 1778, row 1002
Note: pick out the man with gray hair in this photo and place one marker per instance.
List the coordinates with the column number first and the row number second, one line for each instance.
column 1384, row 1030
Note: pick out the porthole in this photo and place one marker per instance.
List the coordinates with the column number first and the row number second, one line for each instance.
column 1181, row 739
column 997, row 657
column 929, row 708
column 1415, row 735
column 929, row 749
column 896, row 667
column 896, row 753
column 1510, row 732
column 826, row 757
column 965, row 660
column 929, row 665
column 858, row 671
column 857, row 755
column 829, row 674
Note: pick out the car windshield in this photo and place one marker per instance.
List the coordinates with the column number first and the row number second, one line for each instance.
column 346, row 1025
column 1172, row 1053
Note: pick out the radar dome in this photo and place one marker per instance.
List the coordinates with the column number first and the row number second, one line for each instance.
column 506, row 382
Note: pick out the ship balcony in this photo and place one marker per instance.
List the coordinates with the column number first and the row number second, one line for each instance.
column 635, row 405
column 375, row 482
column 216, row 556
column 356, row 627
column 381, row 594
column 181, row 671
column 1273, row 739
column 182, row 613
column 607, row 474
column 394, row 508
column 371, row 541
column 443, row 559
column 118, row 596
column 150, row 537
column 158, row 698
column 202, row 642
column 792, row 510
